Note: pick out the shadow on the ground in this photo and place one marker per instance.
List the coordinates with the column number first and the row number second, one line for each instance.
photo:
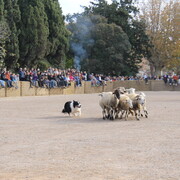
column 76, row 120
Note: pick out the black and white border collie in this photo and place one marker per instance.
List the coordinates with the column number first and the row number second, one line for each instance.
column 72, row 107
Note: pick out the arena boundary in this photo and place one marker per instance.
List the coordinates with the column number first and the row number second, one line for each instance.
column 86, row 88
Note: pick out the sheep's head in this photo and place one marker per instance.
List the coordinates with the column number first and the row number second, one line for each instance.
column 122, row 90
column 117, row 93
column 129, row 103
column 140, row 99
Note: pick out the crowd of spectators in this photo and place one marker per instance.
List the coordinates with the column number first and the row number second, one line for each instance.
column 171, row 79
column 8, row 79
column 54, row 77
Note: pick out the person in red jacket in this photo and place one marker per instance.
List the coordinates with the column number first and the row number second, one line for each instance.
column 175, row 79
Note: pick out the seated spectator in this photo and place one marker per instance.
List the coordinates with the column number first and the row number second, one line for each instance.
column 40, row 79
column 84, row 76
column 46, row 82
column 6, row 77
column 77, row 80
column 2, row 84
column 94, row 81
column 67, row 79
column 61, row 80
column 35, row 80
column 52, row 82
column 28, row 77
column 175, row 80
column 71, row 78
column 15, row 79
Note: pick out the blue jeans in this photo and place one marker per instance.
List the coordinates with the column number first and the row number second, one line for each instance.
column 52, row 84
column 2, row 83
column 9, row 83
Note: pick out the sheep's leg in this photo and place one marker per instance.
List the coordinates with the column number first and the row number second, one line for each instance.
column 122, row 113
column 114, row 113
column 145, row 111
column 117, row 114
column 104, row 114
column 131, row 112
column 137, row 115
column 111, row 114
column 126, row 115
column 107, row 113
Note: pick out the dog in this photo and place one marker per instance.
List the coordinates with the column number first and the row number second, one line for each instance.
column 72, row 107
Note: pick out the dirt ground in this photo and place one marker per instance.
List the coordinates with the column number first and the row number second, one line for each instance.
column 38, row 142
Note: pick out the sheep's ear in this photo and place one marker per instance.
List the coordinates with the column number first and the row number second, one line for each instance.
column 116, row 92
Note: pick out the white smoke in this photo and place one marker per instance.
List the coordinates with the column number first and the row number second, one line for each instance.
column 81, row 40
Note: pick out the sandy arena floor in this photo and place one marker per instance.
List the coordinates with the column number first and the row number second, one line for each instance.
column 38, row 142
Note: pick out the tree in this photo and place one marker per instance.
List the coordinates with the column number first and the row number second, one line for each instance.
column 114, row 43
column 170, row 32
column 162, row 22
column 34, row 32
column 4, row 34
column 122, row 14
column 99, row 47
column 58, row 38
column 43, row 38
column 12, row 17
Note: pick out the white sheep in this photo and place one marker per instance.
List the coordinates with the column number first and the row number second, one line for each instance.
column 109, row 102
column 125, row 103
column 138, row 102
column 131, row 90
column 144, row 105
column 103, row 103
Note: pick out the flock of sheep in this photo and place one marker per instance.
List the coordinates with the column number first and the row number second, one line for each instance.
column 122, row 102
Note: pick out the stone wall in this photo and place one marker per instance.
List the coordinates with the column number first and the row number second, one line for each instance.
column 2, row 92
column 86, row 88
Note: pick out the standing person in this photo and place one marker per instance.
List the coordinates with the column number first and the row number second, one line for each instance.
column 165, row 78
column 21, row 74
column 170, row 80
column 145, row 78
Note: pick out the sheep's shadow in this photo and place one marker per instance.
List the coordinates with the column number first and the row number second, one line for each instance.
column 76, row 120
